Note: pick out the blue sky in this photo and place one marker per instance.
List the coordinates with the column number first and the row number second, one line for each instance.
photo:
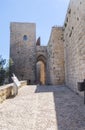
column 45, row 13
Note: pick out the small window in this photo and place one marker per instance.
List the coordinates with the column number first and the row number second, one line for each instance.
column 25, row 38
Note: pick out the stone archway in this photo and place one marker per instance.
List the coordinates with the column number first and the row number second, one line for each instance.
column 41, row 70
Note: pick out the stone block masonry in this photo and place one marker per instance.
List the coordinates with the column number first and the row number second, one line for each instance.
column 22, row 50
column 63, row 57
column 6, row 90
column 55, row 61
column 74, row 43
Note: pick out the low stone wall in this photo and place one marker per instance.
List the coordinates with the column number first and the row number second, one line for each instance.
column 6, row 90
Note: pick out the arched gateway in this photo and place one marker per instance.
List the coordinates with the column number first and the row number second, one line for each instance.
column 33, row 62
column 41, row 63
column 41, row 70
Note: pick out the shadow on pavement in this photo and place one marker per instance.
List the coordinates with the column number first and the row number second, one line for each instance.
column 69, row 107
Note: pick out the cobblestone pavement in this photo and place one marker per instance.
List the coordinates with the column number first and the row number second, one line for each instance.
column 43, row 108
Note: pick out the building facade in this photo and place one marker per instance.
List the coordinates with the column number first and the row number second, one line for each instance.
column 63, row 58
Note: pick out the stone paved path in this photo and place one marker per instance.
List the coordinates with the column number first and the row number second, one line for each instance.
column 43, row 108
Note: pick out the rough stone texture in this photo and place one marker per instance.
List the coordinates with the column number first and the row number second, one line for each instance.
column 43, row 108
column 74, row 41
column 26, row 54
column 56, row 74
column 23, row 50
column 7, row 90
column 41, row 51
column 66, row 46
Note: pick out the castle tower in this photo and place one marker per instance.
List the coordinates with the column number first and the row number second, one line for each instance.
column 23, row 50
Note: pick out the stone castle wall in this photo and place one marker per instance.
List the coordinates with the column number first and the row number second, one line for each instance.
column 41, row 51
column 23, row 50
column 74, row 43
column 64, row 56
column 55, row 59
column 25, row 54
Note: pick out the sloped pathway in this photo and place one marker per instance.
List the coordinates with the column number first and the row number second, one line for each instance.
column 43, row 108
